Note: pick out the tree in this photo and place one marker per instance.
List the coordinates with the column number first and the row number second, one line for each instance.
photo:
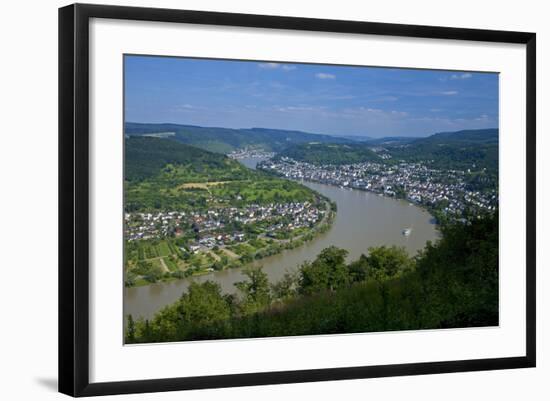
column 147, row 335
column 327, row 272
column 387, row 262
column 149, row 271
column 287, row 287
column 358, row 269
column 203, row 303
column 131, row 330
column 460, row 274
column 130, row 279
column 255, row 290
column 202, row 312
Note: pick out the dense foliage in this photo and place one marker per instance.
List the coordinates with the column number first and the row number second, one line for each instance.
column 452, row 283
column 462, row 150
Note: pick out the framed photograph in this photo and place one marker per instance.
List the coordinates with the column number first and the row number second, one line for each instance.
column 250, row 199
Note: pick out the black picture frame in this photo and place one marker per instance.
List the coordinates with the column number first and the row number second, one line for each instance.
column 74, row 198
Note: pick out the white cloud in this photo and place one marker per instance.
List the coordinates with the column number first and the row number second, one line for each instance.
column 372, row 112
column 300, row 108
column 466, row 75
column 274, row 66
column 269, row 66
column 449, row 93
column 183, row 108
column 322, row 75
column 361, row 110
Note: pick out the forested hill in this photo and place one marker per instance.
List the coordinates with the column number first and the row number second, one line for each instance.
column 465, row 149
column 164, row 175
column 450, row 150
column 224, row 140
column 147, row 157
column 475, row 149
column 479, row 136
column 323, row 153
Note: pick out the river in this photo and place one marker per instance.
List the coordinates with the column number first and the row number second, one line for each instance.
column 364, row 219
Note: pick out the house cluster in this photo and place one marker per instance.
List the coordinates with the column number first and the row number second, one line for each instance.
column 215, row 226
column 249, row 152
column 151, row 225
column 445, row 189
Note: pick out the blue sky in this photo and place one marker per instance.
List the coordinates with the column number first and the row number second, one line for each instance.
column 326, row 99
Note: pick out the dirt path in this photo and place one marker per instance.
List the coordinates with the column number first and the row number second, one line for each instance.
column 229, row 253
column 163, row 264
column 204, row 185
column 214, row 255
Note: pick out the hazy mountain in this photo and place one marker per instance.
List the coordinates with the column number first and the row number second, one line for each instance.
column 224, row 140
column 481, row 136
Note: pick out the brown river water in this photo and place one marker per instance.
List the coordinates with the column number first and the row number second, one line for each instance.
column 364, row 219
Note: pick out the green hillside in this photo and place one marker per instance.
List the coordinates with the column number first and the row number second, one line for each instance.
column 331, row 153
column 470, row 149
column 145, row 157
column 481, row 136
column 461, row 150
column 162, row 174
column 224, row 140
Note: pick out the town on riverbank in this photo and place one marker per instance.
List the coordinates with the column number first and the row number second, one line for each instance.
column 445, row 193
column 169, row 245
column 164, row 246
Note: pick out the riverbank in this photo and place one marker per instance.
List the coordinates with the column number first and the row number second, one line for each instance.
column 449, row 195
column 384, row 291
column 363, row 220
column 434, row 212
column 169, row 258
